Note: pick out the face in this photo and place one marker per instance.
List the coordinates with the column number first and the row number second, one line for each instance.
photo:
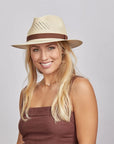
column 46, row 57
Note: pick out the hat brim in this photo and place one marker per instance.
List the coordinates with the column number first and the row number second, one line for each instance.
column 72, row 43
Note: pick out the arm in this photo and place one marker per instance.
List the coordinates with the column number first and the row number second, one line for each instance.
column 19, row 140
column 85, row 110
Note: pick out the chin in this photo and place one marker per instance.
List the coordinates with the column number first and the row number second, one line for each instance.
column 48, row 72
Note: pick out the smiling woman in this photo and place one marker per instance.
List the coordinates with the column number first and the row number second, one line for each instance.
column 62, row 107
column 46, row 57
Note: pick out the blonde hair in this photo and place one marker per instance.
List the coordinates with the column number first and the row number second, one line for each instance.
column 61, row 107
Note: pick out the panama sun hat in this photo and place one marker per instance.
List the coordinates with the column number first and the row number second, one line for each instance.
column 49, row 28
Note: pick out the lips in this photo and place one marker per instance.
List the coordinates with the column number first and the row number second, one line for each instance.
column 46, row 65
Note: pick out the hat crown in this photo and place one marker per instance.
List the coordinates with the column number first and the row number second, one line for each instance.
column 45, row 29
column 47, row 24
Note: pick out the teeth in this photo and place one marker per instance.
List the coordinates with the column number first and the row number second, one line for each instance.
column 46, row 64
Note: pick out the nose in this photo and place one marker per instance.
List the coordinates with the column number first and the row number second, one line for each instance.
column 43, row 55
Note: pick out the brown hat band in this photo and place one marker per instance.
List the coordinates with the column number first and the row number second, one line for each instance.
column 46, row 35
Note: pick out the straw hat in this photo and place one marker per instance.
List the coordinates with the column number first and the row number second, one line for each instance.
column 49, row 28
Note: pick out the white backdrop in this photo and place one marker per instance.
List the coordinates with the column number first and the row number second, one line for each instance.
column 92, row 21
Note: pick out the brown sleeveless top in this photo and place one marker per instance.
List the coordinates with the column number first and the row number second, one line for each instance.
column 42, row 129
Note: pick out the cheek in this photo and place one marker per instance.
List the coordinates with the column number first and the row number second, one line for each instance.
column 56, row 54
column 34, row 57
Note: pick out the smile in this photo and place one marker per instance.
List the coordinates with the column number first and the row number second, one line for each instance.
column 46, row 65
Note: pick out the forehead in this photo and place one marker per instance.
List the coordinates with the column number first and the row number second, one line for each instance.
column 45, row 44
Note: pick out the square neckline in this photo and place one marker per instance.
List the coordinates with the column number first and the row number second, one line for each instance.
column 45, row 107
column 49, row 107
column 40, row 107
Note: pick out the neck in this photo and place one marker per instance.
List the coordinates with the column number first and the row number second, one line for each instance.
column 49, row 80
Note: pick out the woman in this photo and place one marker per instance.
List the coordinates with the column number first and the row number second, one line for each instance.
column 62, row 107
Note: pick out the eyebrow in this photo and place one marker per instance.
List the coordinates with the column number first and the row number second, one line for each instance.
column 39, row 46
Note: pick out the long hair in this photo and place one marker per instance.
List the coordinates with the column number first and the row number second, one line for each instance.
column 61, row 106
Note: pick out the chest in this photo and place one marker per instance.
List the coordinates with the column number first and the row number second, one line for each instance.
column 43, row 97
column 42, row 126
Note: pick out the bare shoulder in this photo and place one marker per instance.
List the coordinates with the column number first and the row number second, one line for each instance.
column 21, row 98
column 85, row 110
column 81, row 86
column 81, row 82
column 22, row 92
column 82, row 92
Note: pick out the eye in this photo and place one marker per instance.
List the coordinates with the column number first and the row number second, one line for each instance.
column 35, row 50
column 51, row 47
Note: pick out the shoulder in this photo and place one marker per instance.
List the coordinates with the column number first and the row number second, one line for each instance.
column 21, row 98
column 80, row 82
column 22, row 92
column 82, row 91
column 85, row 110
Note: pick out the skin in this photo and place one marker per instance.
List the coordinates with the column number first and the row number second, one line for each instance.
column 49, row 52
column 85, row 110
column 82, row 95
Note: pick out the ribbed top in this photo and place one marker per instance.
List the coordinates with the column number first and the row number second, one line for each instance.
column 42, row 129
